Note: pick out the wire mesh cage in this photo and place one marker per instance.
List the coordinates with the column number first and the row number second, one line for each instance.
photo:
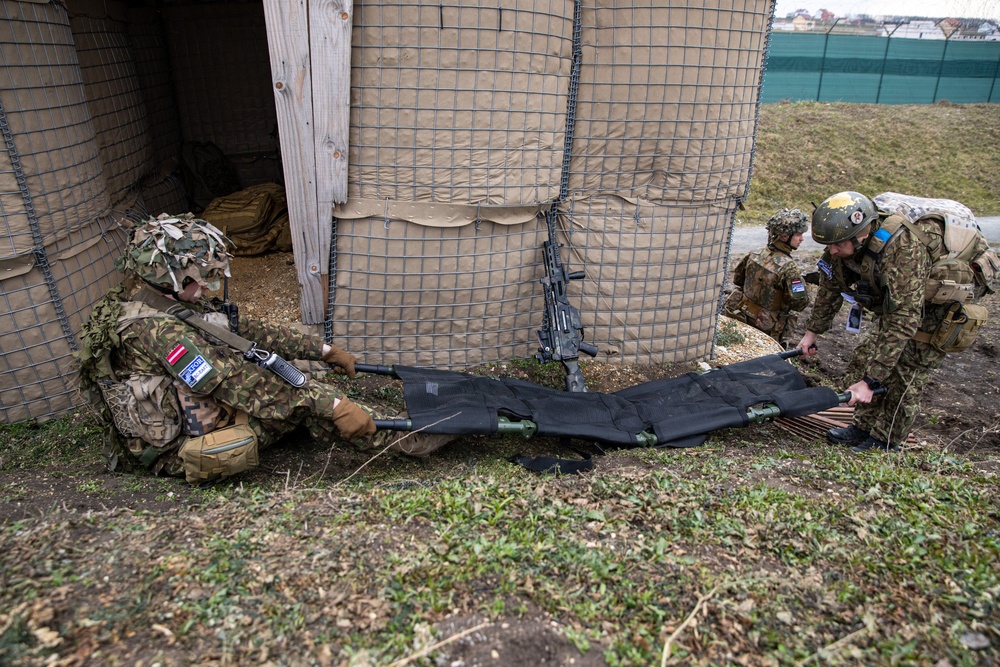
column 57, row 234
column 631, row 122
column 635, row 120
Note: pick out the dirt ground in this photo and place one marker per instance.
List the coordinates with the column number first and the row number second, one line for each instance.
column 960, row 412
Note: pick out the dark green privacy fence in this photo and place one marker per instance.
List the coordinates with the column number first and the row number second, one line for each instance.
column 857, row 68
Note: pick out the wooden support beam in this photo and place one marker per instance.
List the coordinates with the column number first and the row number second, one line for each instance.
column 292, row 83
column 330, row 40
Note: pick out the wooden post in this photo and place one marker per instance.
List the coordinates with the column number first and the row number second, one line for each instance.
column 292, row 78
column 330, row 40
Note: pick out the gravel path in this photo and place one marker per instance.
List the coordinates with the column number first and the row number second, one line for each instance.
column 752, row 237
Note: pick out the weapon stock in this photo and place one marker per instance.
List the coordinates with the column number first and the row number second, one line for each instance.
column 561, row 335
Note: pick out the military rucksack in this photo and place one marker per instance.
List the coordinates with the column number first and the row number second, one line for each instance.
column 965, row 270
column 968, row 269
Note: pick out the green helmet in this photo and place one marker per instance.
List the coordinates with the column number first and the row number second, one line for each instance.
column 167, row 250
column 786, row 222
column 841, row 217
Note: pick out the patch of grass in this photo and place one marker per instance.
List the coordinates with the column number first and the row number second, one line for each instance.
column 807, row 151
column 729, row 334
column 72, row 438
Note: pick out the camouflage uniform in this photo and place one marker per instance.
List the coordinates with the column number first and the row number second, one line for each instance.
column 275, row 407
column 158, row 357
column 771, row 288
column 888, row 352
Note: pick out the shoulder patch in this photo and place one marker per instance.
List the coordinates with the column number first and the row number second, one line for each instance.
column 826, row 268
column 186, row 362
column 797, row 286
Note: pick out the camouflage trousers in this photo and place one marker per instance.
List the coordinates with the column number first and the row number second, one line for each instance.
column 890, row 417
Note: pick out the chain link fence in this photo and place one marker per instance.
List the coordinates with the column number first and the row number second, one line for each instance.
column 880, row 70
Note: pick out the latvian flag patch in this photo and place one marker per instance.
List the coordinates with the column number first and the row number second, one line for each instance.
column 176, row 354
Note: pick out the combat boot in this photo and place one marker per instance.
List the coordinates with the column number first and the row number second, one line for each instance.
column 848, row 435
column 871, row 442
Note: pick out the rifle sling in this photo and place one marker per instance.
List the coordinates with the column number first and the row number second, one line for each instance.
column 178, row 310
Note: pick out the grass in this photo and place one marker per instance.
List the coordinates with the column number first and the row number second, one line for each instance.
column 790, row 551
column 807, row 151
column 746, row 550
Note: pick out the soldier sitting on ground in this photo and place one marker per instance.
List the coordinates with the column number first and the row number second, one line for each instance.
column 188, row 395
column 770, row 285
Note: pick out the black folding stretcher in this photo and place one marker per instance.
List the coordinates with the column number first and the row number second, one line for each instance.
column 679, row 412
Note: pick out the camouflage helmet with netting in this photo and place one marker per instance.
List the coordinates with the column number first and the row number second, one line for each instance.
column 786, row 222
column 169, row 249
column 841, row 217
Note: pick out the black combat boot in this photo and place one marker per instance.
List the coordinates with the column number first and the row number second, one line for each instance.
column 871, row 442
column 849, row 435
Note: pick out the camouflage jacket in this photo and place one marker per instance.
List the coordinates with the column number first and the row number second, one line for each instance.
column 894, row 294
column 770, row 279
column 146, row 343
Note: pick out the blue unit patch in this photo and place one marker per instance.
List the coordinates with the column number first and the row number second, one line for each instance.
column 797, row 286
column 826, row 268
column 882, row 235
column 195, row 371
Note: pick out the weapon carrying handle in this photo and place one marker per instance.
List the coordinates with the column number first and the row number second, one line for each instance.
column 375, row 370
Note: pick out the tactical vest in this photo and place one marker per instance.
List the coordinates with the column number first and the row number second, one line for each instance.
column 963, row 266
column 760, row 275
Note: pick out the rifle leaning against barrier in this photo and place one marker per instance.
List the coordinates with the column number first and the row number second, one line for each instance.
column 561, row 335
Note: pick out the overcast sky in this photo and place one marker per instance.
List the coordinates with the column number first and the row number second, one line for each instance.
column 988, row 9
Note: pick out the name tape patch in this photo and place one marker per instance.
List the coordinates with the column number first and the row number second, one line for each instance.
column 195, row 372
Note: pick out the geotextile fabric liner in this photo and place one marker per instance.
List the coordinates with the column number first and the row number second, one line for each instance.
column 113, row 93
column 460, row 104
column 42, row 94
column 468, row 294
column 668, row 99
column 460, row 114
column 152, row 67
column 58, row 236
column 681, row 411
column 222, row 76
column 436, row 296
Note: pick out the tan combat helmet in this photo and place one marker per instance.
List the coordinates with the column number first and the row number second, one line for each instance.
column 167, row 250
column 842, row 216
column 786, row 222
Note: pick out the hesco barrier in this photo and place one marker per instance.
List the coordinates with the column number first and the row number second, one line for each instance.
column 633, row 119
column 880, row 70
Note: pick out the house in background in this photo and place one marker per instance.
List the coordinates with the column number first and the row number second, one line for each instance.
column 923, row 29
column 803, row 22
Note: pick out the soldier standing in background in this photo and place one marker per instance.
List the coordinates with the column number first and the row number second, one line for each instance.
column 185, row 395
column 771, row 287
column 885, row 262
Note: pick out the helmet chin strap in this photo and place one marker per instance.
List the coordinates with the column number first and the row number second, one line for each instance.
column 858, row 245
